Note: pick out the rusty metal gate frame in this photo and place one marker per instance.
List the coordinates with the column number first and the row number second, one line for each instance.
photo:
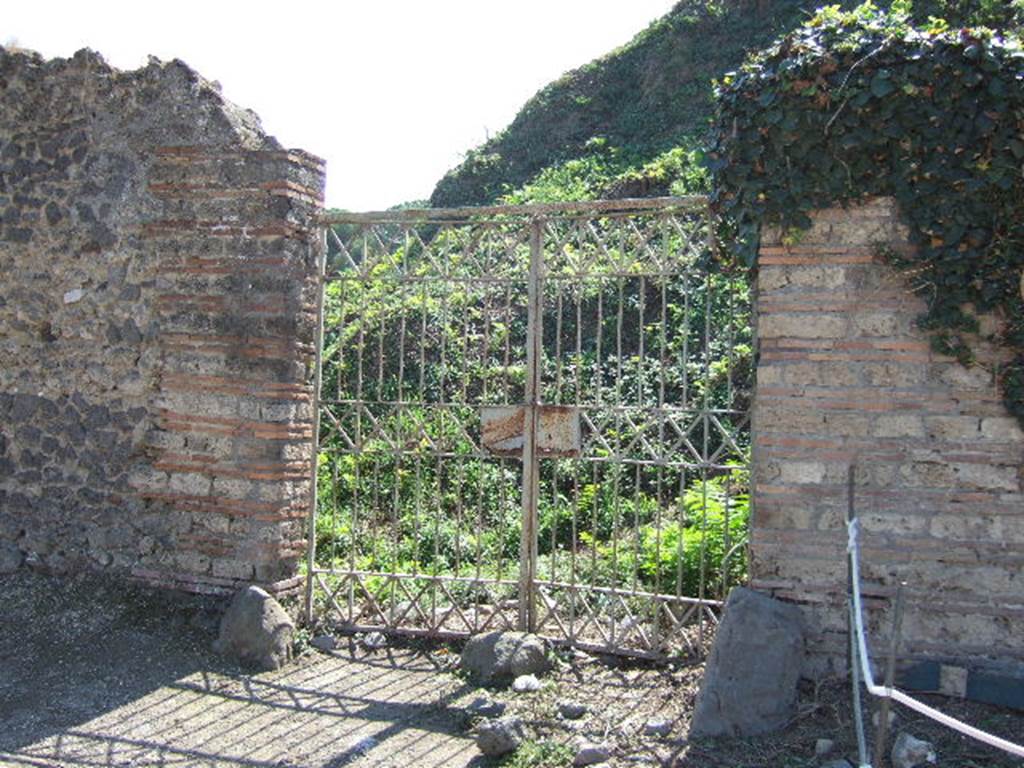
column 399, row 607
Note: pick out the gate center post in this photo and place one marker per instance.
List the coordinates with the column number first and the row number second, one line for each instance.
column 531, row 469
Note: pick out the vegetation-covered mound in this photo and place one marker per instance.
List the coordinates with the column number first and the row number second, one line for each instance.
column 866, row 103
column 597, row 127
column 632, row 123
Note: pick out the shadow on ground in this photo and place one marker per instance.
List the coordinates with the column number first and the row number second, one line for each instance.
column 97, row 675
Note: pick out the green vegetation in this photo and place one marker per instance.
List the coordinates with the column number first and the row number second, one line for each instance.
column 621, row 125
column 539, row 754
column 864, row 102
column 641, row 101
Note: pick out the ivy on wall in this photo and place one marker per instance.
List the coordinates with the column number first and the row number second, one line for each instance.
column 860, row 103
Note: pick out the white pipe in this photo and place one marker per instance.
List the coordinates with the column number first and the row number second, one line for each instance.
column 897, row 695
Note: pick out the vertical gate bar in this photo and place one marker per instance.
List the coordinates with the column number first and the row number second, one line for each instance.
column 557, row 399
column 341, row 392
column 335, row 506
column 705, row 429
column 357, row 467
column 481, row 503
column 534, row 337
column 315, row 448
column 617, row 466
column 578, row 400
column 424, row 427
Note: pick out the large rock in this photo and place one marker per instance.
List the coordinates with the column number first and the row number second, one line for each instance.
column 502, row 656
column 501, row 736
column 256, row 630
column 750, row 681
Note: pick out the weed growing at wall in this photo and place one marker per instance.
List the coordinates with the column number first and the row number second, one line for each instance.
column 858, row 103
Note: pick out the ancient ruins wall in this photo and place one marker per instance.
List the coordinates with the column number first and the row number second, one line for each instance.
column 845, row 377
column 158, row 255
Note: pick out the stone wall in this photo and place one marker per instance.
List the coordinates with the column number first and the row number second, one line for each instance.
column 845, row 377
column 157, row 319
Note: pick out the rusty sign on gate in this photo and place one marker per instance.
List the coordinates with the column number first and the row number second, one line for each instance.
column 558, row 430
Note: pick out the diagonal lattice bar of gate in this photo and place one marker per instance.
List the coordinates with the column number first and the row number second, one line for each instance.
column 532, row 417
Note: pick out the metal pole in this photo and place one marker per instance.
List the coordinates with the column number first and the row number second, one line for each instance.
column 531, row 474
column 858, row 713
column 882, row 734
column 315, row 449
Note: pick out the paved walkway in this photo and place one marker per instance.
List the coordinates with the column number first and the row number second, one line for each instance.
column 96, row 689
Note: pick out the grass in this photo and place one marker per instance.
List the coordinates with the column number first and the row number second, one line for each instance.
column 539, row 754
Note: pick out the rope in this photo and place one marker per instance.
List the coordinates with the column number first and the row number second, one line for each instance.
column 882, row 691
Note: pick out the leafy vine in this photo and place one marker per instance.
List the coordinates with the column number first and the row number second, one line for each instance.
column 862, row 103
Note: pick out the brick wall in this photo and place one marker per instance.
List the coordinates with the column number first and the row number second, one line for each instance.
column 845, row 377
column 157, row 321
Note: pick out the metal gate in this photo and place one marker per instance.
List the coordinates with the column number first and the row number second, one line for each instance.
column 531, row 417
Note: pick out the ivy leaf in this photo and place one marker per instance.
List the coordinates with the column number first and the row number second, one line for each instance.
column 881, row 84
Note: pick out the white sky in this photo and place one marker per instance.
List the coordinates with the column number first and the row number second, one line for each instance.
column 390, row 93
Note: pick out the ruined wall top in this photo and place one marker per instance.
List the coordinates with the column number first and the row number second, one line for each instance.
column 160, row 103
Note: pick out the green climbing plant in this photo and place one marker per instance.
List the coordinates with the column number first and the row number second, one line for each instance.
column 865, row 102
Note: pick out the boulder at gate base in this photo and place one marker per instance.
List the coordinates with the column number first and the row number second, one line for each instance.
column 750, row 682
column 256, row 630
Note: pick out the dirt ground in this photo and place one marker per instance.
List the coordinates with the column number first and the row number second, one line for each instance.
column 94, row 674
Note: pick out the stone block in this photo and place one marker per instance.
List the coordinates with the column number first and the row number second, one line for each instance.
column 970, row 379
column 772, row 278
column 802, row 472
column 1002, row 428
column 899, row 425
column 877, row 324
column 750, row 680
column 988, row 477
column 894, row 374
column 802, row 326
column 953, row 427
column 817, row 277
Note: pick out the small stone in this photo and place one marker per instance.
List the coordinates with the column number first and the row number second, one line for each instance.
column 11, row 558
column 501, row 736
column 823, row 746
column 840, row 763
column 658, row 727
column 526, row 684
column 485, row 707
column 102, row 557
column 324, row 643
column 910, row 752
column 374, row 641
column 73, row 296
column 571, row 710
column 591, row 754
